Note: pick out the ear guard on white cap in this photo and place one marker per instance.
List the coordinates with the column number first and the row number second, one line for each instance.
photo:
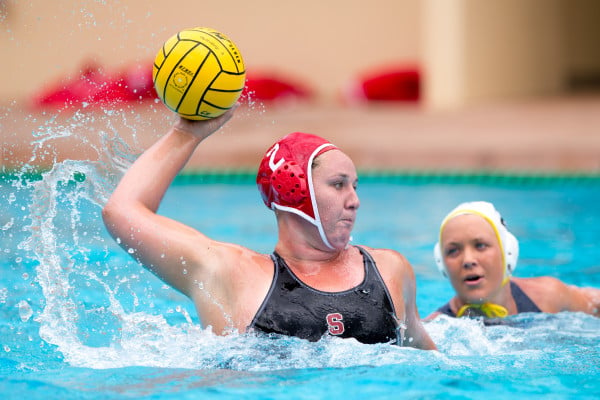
column 508, row 242
column 439, row 259
column 511, row 252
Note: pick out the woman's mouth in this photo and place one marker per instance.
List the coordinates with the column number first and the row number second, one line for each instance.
column 473, row 279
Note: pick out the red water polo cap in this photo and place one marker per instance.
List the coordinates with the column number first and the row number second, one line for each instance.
column 284, row 176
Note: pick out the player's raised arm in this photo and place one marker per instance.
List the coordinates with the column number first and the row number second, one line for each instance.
column 159, row 243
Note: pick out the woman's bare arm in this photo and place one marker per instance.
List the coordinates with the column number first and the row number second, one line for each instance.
column 167, row 247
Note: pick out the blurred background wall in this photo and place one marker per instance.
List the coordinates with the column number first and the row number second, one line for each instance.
column 320, row 42
column 468, row 50
column 475, row 50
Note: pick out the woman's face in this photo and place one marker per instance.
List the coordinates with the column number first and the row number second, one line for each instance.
column 473, row 258
column 335, row 180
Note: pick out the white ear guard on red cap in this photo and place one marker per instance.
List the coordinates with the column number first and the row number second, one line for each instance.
column 508, row 242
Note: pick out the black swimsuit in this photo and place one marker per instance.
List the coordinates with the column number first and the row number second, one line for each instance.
column 292, row 308
column 524, row 303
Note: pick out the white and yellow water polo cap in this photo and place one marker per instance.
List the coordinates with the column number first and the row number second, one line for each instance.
column 509, row 244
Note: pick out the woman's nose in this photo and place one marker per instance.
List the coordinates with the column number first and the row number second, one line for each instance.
column 353, row 201
column 469, row 260
column 469, row 264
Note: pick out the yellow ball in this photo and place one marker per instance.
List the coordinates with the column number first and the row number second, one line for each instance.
column 199, row 73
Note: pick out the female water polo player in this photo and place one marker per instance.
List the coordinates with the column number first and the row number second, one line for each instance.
column 478, row 254
column 314, row 284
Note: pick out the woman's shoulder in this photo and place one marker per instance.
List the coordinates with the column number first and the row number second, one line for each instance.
column 223, row 258
column 394, row 268
column 387, row 258
column 383, row 253
column 545, row 291
column 538, row 283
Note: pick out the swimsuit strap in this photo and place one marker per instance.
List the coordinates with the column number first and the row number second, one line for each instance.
column 524, row 302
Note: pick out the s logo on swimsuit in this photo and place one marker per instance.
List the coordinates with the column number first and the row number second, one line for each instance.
column 335, row 323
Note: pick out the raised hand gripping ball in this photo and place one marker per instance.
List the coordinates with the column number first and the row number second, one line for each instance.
column 199, row 73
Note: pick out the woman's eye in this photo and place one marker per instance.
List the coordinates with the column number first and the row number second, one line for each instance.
column 451, row 252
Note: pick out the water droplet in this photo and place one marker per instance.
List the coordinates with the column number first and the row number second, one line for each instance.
column 25, row 311
column 79, row 176
column 3, row 295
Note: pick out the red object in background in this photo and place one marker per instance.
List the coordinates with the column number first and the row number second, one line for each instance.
column 272, row 87
column 387, row 84
column 95, row 86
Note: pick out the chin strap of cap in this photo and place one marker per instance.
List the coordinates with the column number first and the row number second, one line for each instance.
column 489, row 310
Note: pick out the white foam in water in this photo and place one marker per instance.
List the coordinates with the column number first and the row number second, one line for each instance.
column 464, row 336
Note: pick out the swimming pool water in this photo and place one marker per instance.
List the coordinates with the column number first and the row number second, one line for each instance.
column 80, row 319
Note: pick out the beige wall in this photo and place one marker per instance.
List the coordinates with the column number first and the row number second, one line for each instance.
column 323, row 43
column 444, row 53
column 498, row 50
column 514, row 48
column 582, row 39
column 493, row 50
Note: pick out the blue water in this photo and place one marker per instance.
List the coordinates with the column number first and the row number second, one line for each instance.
column 80, row 319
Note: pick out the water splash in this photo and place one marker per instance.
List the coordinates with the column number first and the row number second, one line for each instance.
column 59, row 316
